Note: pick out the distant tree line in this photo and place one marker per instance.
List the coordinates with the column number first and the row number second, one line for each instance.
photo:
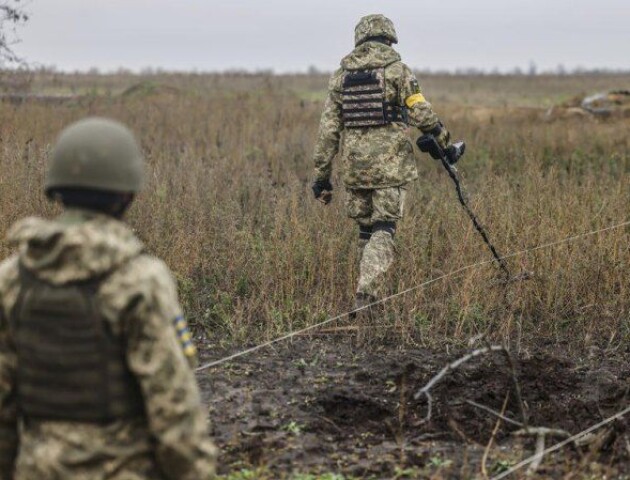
column 532, row 70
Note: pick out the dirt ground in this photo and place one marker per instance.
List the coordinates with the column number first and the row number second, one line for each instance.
column 325, row 404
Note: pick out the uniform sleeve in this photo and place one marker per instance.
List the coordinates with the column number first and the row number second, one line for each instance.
column 8, row 409
column 159, row 354
column 330, row 127
column 421, row 114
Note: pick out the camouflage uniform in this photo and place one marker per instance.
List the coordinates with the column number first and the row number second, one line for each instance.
column 87, row 318
column 376, row 161
column 139, row 301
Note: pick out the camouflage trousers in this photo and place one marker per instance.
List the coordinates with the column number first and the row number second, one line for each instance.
column 376, row 211
column 57, row 450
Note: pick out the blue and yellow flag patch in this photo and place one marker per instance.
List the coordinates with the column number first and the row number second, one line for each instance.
column 185, row 336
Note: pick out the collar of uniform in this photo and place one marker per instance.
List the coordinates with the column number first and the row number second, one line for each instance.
column 75, row 215
column 370, row 55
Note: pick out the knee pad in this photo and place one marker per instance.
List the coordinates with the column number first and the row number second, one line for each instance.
column 365, row 232
column 388, row 227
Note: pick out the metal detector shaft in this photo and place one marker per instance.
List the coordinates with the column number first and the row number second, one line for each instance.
column 482, row 231
column 427, row 143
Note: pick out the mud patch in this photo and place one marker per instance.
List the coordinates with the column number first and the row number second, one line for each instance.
column 330, row 406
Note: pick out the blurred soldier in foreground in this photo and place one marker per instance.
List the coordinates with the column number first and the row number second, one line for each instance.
column 95, row 357
column 372, row 99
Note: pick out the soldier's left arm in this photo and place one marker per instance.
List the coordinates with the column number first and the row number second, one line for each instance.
column 161, row 356
column 9, row 441
column 420, row 111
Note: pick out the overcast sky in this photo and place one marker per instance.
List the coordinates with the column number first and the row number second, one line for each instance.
column 291, row 35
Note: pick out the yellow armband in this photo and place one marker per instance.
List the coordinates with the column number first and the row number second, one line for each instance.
column 414, row 99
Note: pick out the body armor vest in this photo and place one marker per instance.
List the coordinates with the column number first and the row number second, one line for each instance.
column 364, row 103
column 70, row 366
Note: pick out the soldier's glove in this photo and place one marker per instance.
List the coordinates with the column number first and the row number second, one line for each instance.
column 322, row 189
column 428, row 143
column 441, row 134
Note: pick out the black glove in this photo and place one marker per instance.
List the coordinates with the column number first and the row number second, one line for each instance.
column 441, row 134
column 428, row 143
column 322, row 189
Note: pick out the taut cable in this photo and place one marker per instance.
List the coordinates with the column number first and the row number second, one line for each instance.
column 456, row 272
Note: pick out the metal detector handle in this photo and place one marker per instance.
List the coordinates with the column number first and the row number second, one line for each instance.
column 427, row 143
column 454, row 152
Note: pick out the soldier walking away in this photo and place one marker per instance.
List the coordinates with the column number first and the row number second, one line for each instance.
column 372, row 99
column 96, row 378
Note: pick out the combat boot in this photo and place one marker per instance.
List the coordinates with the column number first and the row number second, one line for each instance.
column 362, row 300
column 368, row 318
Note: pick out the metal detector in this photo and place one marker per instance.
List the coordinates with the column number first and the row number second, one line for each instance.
column 449, row 157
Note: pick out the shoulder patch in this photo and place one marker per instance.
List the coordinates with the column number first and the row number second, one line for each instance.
column 414, row 87
column 184, row 336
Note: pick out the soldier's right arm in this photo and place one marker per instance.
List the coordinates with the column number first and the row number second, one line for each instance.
column 330, row 127
column 161, row 359
column 8, row 409
column 421, row 113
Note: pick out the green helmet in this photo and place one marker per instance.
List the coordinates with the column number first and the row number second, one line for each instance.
column 374, row 26
column 96, row 153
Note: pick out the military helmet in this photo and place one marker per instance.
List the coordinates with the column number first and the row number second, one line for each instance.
column 98, row 154
column 374, row 26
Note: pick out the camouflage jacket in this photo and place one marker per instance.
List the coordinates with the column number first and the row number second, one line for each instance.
column 139, row 301
column 373, row 157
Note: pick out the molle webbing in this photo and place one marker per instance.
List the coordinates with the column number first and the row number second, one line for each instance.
column 70, row 366
column 363, row 100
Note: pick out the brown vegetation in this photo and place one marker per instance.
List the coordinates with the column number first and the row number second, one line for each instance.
column 228, row 206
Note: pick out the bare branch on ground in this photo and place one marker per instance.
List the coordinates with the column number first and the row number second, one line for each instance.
column 449, row 368
column 495, row 430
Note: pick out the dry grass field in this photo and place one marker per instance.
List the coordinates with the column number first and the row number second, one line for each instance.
column 228, row 206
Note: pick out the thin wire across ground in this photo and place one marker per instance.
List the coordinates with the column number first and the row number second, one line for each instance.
column 454, row 273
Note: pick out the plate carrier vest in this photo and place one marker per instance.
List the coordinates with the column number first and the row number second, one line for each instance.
column 70, row 365
column 364, row 103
